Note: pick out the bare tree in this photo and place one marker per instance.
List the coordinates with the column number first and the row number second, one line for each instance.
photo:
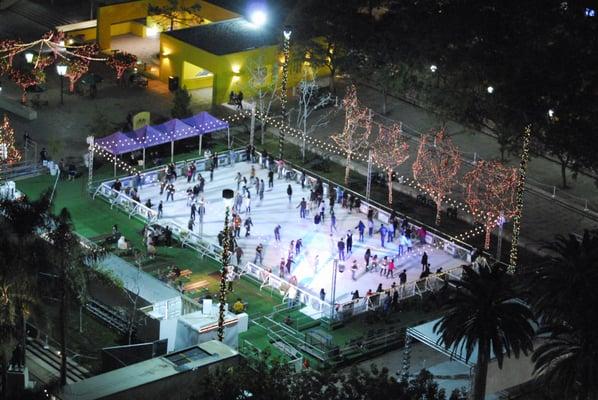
column 390, row 150
column 357, row 129
column 262, row 88
column 309, row 101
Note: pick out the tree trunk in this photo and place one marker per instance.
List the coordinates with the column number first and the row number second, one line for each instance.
column 262, row 129
column 564, row 171
column 331, row 87
column 438, row 211
column 4, row 366
column 348, row 169
column 384, row 101
column 63, row 322
column 481, row 371
column 171, row 24
column 488, row 235
column 389, row 176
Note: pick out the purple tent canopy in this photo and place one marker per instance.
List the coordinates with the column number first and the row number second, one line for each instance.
column 205, row 123
column 173, row 130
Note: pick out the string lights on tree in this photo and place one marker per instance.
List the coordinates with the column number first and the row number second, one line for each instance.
column 356, row 131
column 227, row 197
column 436, row 166
column 391, row 150
column 8, row 152
column 121, row 62
column 522, row 173
column 490, row 188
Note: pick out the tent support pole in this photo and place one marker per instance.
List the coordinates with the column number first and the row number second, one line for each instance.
column 228, row 136
column 115, row 165
column 172, row 151
column 144, row 158
column 200, row 139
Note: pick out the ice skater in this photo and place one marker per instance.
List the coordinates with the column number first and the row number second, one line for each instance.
column 262, row 185
column 193, row 211
column 382, row 231
column 277, row 233
column 341, row 249
column 259, row 254
column 298, row 246
column 302, row 208
column 248, row 224
column 349, row 242
column 361, row 229
column 290, row 192
column 332, row 222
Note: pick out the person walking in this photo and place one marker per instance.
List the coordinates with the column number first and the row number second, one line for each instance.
column 302, row 207
column 382, row 231
column 259, row 254
column 361, row 229
column 341, row 249
column 366, row 257
column 277, row 233
column 289, row 192
column 349, row 242
column 424, row 260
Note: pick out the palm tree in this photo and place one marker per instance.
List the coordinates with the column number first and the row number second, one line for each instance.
column 484, row 312
column 562, row 293
column 70, row 262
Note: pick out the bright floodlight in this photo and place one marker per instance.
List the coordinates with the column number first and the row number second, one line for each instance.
column 61, row 69
column 29, row 57
column 287, row 33
column 490, row 89
column 433, row 68
column 258, row 18
column 551, row 113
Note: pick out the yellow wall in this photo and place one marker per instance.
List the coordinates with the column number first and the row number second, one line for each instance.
column 116, row 13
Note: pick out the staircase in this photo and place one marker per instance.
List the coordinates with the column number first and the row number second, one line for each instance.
column 109, row 316
column 39, row 14
column 49, row 360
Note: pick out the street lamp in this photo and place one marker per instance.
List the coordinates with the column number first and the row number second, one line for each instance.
column 551, row 113
column 228, row 196
column 490, row 89
column 258, row 18
column 29, row 57
column 433, row 68
column 61, row 69
column 286, row 48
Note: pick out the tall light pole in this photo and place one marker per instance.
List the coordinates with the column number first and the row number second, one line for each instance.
column 286, row 47
column 61, row 69
column 227, row 197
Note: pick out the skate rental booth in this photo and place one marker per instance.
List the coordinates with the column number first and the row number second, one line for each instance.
column 120, row 143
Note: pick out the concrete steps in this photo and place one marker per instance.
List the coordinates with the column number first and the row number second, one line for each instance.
column 45, row 361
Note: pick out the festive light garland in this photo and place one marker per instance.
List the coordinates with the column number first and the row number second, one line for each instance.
column 527, row 133
column 436, row 168
column 490, row 187
column 8, row 152
column 225, row 257
column 390, row 150
column 283, row 92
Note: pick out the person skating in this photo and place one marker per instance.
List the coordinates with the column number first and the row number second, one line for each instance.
column 277, row 233
column 424, row 260
column 302, row 208
column 259, row 254
column 391, row 268
column 237, row 225
column 382, row 231
column 270, row 179
column 322, row 294
column 332, row 221
column 289, row 263
column 366, row 257
column 248, row 224
column 289, row 192
column 349, row 242
column 160, row 209
column 262, row 186
column 341, row 249
column 361, row 229
column 193, row 211
column 239, row 254
column 170, row 192
column 354, row 269
column 298, row 246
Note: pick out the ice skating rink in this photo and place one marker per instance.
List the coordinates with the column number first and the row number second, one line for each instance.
column 318, row 240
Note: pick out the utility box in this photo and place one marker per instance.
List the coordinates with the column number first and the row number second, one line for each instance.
column 173, row 83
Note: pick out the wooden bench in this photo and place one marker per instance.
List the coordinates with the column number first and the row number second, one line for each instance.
column 194, row 286
column 186, row 273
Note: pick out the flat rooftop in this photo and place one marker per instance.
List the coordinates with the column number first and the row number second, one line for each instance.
column 123, row 379
column 227, row 37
